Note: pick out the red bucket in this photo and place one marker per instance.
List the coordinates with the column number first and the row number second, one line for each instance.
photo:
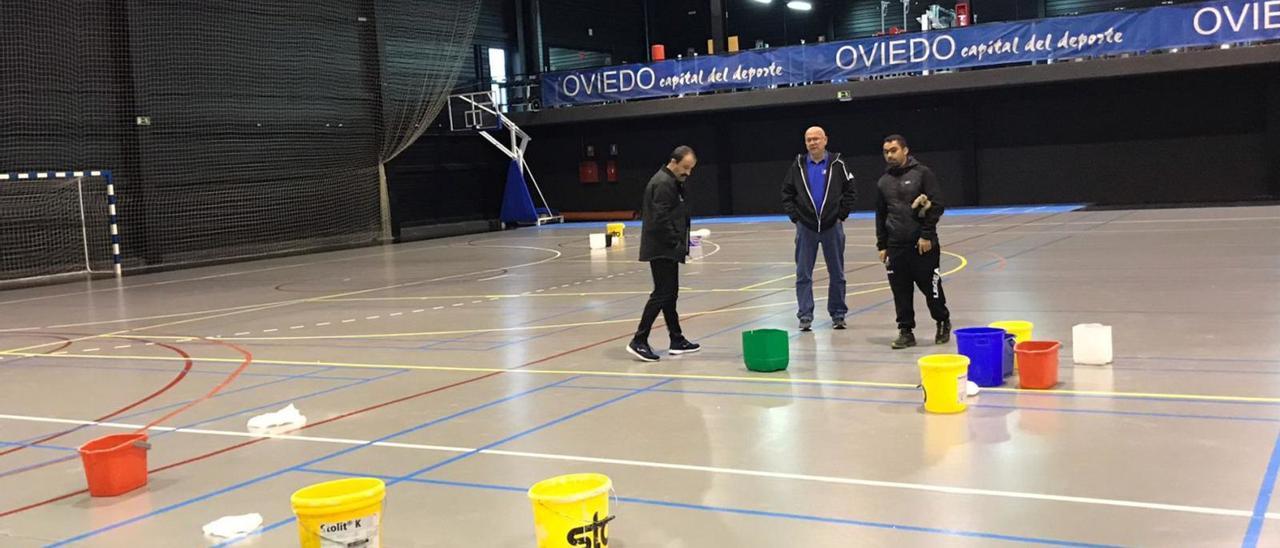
column 116, row 464
column 1038, row 364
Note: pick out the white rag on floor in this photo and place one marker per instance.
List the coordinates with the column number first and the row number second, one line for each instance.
column 233, row 526
column 285, row 419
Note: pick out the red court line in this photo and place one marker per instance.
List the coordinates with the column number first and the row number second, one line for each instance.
column 1003, row 262
column 186, row 368
column 353, row 413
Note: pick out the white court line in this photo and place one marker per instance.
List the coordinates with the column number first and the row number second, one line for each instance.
column 493, row 277
column 944, row 489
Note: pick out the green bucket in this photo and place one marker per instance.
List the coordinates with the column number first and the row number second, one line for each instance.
column 766, row 350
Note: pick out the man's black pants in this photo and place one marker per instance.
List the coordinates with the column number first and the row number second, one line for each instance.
column 908, row 269
column 666, row 289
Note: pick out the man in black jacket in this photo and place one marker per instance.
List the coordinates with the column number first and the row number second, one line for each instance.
column 909, row 203
column 818, row 193
column 664, row 244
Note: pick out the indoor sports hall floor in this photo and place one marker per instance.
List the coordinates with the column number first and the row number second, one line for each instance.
column 464, row 370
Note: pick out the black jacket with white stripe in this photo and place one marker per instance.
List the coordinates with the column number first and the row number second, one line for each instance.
column 899, row 222
column 802, row 207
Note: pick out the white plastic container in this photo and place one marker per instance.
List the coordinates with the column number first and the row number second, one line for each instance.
column 1091, row 344
column 597, row 241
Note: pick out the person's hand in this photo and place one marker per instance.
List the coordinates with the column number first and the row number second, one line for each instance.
column 924, row 246
column 884, row 256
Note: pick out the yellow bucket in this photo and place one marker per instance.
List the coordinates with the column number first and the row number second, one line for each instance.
column 615, row 229
column 945, row 378
column 1021, row 331
column 572, row 510
column 346, row 512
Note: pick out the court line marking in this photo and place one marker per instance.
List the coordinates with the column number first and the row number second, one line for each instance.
column 583, row 294
column 836, row 480
column 278, row 304
column 811, row 518
column 680, row 376
column 963, row 263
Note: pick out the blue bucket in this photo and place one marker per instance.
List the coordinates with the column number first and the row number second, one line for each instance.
column 985, row 348
column 1009, row 342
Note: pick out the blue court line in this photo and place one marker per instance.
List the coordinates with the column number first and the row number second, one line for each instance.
column 630, row 393
column 1264, row 498
column 1045, row 244
column 240, row 485
column 158, row 434
column 37, row 446
column 741, row 511
column 1027, row 250
column 811, row 356
column 917, row 404
column 1017, row 394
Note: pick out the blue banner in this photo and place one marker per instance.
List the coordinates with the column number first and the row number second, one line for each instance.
column 1111, row 33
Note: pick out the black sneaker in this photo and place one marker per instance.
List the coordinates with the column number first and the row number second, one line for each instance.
column 944, row 332
column 642, row 351
column 838, row 323
column 806, row 325
column 905, row 339
column 683, row 346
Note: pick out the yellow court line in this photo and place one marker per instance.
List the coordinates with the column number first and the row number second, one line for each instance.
column 683, row 290
column 678, row 376
column 266, row 306
column 963, row 263
column 753, row 286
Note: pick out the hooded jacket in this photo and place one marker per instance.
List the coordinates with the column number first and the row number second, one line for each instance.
column 897, row 223
column 836, row 203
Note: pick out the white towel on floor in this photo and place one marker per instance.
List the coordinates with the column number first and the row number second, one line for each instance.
column 285, row 419
column 233, row 526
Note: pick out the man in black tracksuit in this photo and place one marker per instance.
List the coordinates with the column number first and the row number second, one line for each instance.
column 909, row 203
column 818, row 193
column 664, row 244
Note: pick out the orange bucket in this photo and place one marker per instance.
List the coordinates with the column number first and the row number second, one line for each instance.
column 1037, row 364
column 116, row 464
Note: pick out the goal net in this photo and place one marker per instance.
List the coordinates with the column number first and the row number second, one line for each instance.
column 54, row 224
column 232, row 129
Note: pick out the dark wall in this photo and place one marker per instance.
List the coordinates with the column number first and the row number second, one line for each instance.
column 616, row 28
column 1184, row 137
column 445, row 178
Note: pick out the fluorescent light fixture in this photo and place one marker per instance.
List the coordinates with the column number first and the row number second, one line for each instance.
column 799, row 5
column 763, row 1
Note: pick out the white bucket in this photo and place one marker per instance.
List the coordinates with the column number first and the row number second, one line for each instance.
column 597, row 241
column 1091, row 344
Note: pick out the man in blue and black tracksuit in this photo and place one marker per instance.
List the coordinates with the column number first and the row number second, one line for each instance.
column 909, row 204
column 818, row 193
